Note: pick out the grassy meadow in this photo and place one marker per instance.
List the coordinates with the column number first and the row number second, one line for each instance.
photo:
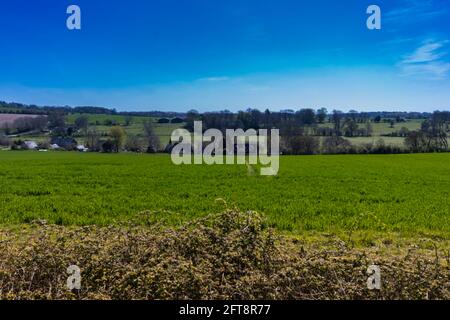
column 409, row 194
column 135, row 127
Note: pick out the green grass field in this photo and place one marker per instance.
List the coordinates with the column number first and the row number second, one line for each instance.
column 380, row 130
column 400, row 193
column 119, row 119
column 97, row 122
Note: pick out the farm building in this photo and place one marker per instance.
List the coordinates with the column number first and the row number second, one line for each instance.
column 64, row 142
column 30, row 145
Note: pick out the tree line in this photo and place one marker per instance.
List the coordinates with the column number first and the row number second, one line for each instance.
column 293, row 123
column 304, row 132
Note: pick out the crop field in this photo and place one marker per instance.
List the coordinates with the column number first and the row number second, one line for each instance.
column 382, row 128
column 119, row 119
column 394, row 141
column 409, row 194
column 97, row 122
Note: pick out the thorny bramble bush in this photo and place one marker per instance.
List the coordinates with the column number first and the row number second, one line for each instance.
column 227, row 256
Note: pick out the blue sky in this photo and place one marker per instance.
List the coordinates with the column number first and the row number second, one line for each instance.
column 233, row 54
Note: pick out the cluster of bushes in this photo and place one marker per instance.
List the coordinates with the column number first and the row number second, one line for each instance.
column 109, row 122
column 174, row 120
column 403, row 132
column 348, row 131
column 300, row 145
column 232, row 255
column 22, row 145
column 18, row 145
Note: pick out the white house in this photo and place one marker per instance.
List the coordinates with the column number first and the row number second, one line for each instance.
column 30, row 145
column 82, row 148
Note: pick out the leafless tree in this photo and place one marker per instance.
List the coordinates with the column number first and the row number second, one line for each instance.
column 152, row 138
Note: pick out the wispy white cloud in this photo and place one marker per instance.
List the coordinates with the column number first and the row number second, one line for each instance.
column 434, row 70
column 215, row 79
column 416, row 10
column 425, row 53
column 427, row 60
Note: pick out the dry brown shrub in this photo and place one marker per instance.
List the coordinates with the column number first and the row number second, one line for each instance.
column 227, row 256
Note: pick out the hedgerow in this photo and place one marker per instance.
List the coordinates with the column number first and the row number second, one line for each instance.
column 232, row 255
